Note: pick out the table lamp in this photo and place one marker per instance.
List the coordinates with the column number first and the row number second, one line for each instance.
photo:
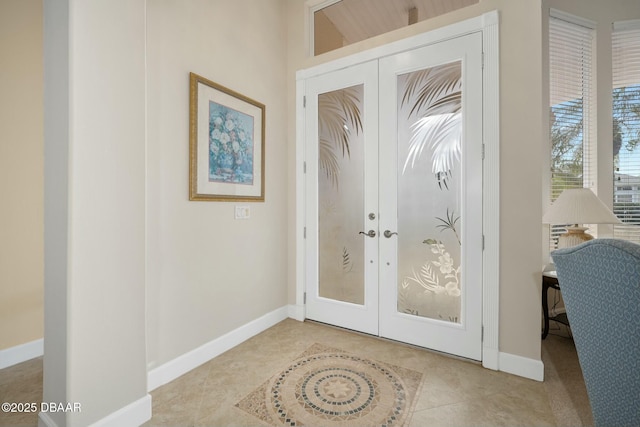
column 578, row 206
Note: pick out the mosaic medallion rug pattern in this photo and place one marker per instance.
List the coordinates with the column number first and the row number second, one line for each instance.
column 331, row 387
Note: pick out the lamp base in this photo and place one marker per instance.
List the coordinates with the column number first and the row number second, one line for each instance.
column 573, row 237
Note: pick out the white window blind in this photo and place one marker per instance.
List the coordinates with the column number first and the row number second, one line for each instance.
column 571, row 108
column 626, row 128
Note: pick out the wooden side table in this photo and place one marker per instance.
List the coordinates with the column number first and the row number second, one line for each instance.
column 550, row 280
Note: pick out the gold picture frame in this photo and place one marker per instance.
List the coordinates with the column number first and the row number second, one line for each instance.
column 226, row 144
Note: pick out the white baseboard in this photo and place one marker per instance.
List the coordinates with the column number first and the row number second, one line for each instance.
column 21, row 353
column 296, row 312
column 505, row 362
column 182, row 364
column 521, row 366
column 133, row 415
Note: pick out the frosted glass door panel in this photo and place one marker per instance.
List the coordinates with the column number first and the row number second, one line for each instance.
column 341, row 203
column 429, row 197
column 341, row 195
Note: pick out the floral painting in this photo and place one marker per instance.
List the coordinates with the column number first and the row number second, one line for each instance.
column 230, row 145
column 226, row 144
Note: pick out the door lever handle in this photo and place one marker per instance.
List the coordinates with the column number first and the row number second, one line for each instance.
column 388, row 233
column 371, row 233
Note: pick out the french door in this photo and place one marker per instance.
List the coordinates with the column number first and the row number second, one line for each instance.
column 394, row 196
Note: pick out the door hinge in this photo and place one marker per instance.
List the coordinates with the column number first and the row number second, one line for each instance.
column 304, row 298
column 483, row 60
column 304, row 102
column 304, row 232
column 304, row 167
column 482, row 151
column 481, row 331
column 483, row 242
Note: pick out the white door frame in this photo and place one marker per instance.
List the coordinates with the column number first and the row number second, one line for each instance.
column 488, row 24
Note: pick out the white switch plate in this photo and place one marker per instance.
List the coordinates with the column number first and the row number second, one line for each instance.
column 242, row 212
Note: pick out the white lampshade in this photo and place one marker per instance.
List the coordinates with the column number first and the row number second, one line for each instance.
column 579, row 206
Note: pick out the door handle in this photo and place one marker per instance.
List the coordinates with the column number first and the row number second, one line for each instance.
column 371, row 233
column 389, row 233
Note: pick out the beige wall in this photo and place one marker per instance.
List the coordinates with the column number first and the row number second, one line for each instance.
column 56, row 196
column 208, row 273
column 21, row 173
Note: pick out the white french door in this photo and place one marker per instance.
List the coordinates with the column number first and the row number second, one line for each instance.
column 341, row 192
column 394, row 196
column 430, row 187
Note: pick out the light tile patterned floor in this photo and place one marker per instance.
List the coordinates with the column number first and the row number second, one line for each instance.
column 328, row 386
column 453, row 392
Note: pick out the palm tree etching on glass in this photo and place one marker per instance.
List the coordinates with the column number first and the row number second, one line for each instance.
column 341, row 194
column 431, row 109
column 429, row 150
column 435, row 96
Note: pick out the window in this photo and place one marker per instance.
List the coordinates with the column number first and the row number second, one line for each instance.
column 338, row 23
column 626, row 128
column 571, row 106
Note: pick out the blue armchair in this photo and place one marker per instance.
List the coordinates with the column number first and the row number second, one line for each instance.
column 600, row 283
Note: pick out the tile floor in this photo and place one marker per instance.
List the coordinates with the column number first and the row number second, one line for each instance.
column 453, row 393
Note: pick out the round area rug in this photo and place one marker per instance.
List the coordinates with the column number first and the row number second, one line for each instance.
column 330, row 387
column 337, row 388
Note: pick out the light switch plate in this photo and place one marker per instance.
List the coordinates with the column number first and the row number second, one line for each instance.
column 242, row 212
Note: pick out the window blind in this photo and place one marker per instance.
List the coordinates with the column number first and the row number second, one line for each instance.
column 626, row 128
column 571, row 108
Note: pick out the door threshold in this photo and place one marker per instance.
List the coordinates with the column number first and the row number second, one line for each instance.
column 389, row 340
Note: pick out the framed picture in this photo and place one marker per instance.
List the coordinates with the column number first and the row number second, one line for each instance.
column 226, row 144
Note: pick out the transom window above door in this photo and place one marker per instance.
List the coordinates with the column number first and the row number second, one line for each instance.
column 337, row 23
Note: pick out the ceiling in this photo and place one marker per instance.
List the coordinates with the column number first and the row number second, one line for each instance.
column 358, row 20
